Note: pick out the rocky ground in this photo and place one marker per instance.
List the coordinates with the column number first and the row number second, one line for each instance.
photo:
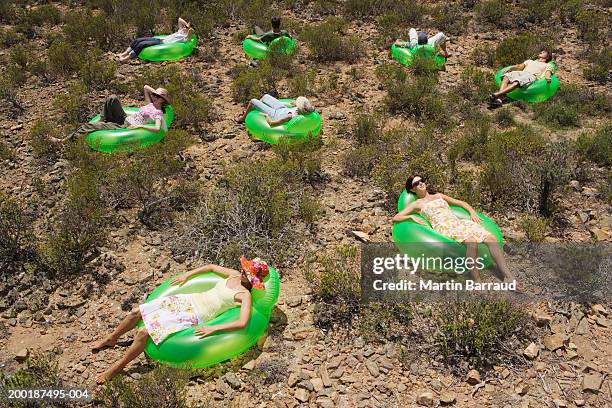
column 568, row 366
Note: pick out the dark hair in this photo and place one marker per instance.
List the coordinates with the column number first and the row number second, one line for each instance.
column 421, row 38
column 549, row 55
column 275, row 22
column 409, row 183
column 163, row 106
column 244, row 280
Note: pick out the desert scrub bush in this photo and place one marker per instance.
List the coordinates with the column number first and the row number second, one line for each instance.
column 95, row 71
column 103, row 30
column 505, row 118
column 481, row 333
column 418, row 96
column 472, row 142
column 270, row 371
column 9, row 36
column 474, row 85
column 249, row 83
column 482, row 55
column 539, row 11
column 142, row 179
column 534, row 227
column 6, row 152
column 64, row 58
column 42, row 148
column 334, row 276
column 450, row 18
column 600, row 66
column 327, row 42
column 596, row 146
column 162, row 387
column 367, row 128
column 519, row 48
column 302, row 82
column 592, row 26
column 383, row 322
column 16, row 237
column 302, row 155
column 41, row 371
column 253, row 210
column 519, row 160
column 78, row 229
column 493, row 12
column 73, row 104
column 569, row 104
column 191, row 106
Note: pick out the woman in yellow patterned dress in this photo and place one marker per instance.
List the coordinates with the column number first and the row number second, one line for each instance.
column 170, row 314
column 435, row 209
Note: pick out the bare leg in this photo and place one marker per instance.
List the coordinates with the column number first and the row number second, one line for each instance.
column 125, row 326
column 499, row 258
column 472, row 253
column 243, row 116
column 505, row 87
column 137, row 347
column 443, row 50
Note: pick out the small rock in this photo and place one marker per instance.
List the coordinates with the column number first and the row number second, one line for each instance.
column 579, row 402
column 233, row 380
column 473, row 377
column 521, row 389
column 317, row 384
column 294, row 301
column 599, row 309
column 401, row 388
column 302, row 395
column 436, row 385
column 575, row 184
column 22, row 354
column 591, row 382
column 250, row 365
column 559, row 403
column 361, row 236
column 602, row 322
column 448, row 397
column 425, row 398
column 542, row 319
column 505, row 373
column 532, row 351
column 553, row 342
column 372, row 368
column 325, row 376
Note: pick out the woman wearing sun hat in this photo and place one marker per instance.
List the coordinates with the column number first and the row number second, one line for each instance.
column 114, row 117
column 166, row 315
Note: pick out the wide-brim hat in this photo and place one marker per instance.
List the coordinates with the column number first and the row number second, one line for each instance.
column 163, row 93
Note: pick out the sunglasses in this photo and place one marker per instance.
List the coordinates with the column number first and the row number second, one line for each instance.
column 417, row 183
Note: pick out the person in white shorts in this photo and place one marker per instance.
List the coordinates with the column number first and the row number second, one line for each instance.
column 523, row 75
column 277, row 112
column 420, row 38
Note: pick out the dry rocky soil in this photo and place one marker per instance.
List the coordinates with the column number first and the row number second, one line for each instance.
column 567, row 366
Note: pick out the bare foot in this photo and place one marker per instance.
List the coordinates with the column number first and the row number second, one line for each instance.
column 239, row 119
column 107, row 342
column 103, row 377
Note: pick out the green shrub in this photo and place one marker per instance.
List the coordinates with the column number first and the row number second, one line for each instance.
column 569, row 104
column 384, row 322
column 505, row 118
column 64, row 58
column 73, row 103
column 492, row 11
column 252, row 211
column 417, row 97
column 95, row 71
column 78, row 229
column 517, row 49
column 334, row 277
column 16, row 236
column 474, row 85
column 41, row 371
column 163, row 387
column 534, row 228
column 360, row 162
column 40, row 133
column 367, row 128
column 303, row 155
column 9, row 37
column 540, row 11
column 481, row 333
column 106, row 32
column 471, row 145
column 596, row 146
column 482, row 55
column 450, row 18
column 600, row 66
column 328, row 44
column 303, row 82
column 592, row 25
column 6, row 152
column 252, row 83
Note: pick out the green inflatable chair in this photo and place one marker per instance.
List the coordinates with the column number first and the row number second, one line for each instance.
column 169, row 52
column 538, row 91
column 406, row 56
column 126, row 140
column 299, row 127
column 417, row 240
column 186, row 350
column 259, row 50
